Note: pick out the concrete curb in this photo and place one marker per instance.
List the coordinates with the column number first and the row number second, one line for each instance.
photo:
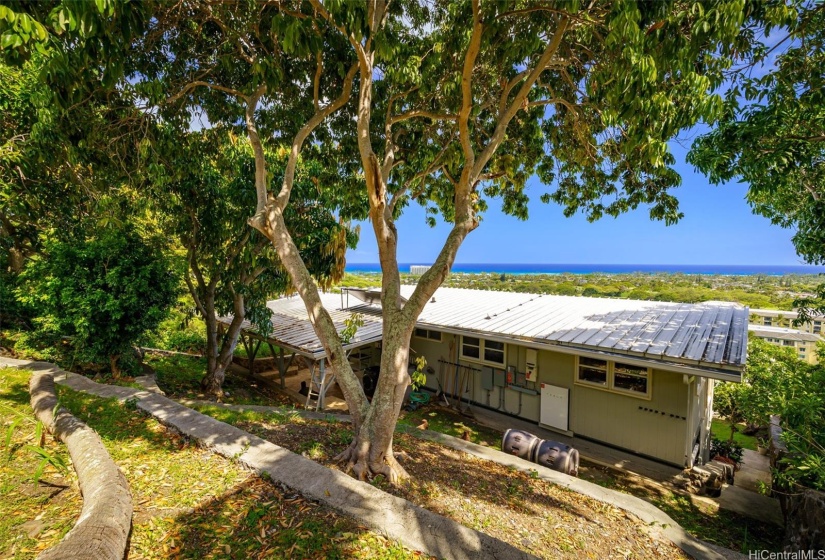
column 398, row 519
column 102, row 529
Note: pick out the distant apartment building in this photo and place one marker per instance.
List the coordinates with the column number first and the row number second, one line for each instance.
column 777, row 328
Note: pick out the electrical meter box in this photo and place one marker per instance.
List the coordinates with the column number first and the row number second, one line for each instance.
column 532, row 365
column 487, row 378
column 498, row 378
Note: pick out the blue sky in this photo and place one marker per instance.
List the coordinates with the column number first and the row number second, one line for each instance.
column 718, row 228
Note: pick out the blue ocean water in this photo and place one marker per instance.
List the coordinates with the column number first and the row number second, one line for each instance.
column 509, row 268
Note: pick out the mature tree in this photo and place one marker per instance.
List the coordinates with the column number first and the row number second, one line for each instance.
column 772, row 135
column 232, row 268
column 483, row 97
column 104, row 292
column 45, row 163
column 454, row 102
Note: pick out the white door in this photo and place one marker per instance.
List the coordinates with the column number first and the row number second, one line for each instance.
column 555, row 402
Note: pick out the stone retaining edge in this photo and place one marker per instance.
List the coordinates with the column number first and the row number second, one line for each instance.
column 102, row 530
column 396, row 518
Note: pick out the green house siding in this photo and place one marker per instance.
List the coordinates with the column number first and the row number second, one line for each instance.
column 656, row 427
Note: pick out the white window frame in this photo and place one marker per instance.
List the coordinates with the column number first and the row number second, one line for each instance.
column 481, row 347
column 427, row 334
column 610, row 385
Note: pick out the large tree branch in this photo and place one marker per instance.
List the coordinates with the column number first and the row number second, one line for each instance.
column 520, row 99
column 505, row 91
column 297, row 143
column 467, row 88
column 389, row 139
column 193, row 264
column 420, row 113
column 257, row 146
column 200, row 83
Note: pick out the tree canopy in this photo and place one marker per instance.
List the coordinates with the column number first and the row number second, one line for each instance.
column 772, row 132
column 446, row 104
column 104, row 292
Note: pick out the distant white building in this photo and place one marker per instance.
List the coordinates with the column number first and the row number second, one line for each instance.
column 419, row 269
column 803, row 343
column 775, row 318
column 775, row 327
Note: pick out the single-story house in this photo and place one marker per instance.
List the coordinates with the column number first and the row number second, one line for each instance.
column 635, row 375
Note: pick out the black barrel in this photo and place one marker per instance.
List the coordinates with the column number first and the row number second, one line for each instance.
column 556, row 456
column 519, row 443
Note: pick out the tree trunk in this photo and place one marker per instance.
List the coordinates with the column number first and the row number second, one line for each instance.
column 219, row 354
column 370, row 452
column 114, row 365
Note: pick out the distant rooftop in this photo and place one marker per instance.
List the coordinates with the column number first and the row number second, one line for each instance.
column 784, row 334
column 779, row 313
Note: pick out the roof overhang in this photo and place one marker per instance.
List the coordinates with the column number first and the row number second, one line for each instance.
column 698, row 369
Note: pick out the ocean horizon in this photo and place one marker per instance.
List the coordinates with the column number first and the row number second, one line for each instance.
column 549, row 268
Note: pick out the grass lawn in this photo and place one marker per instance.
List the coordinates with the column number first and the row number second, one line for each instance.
column 179, row 376
column 447, row 421
column 721, row 430
column 33, row 516
column 189, row 502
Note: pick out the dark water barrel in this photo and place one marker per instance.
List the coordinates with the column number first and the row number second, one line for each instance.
column 556, row 456
column 519, row 443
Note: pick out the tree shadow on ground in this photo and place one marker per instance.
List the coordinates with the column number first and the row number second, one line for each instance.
column 477, row 493
column 257, row 519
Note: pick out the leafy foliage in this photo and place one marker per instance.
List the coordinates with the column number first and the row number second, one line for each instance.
column 105, row 292
column 776, row 382
column 729, row 449
column 771, row 133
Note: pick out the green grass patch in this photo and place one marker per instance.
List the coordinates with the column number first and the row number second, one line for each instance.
column 721, row 430
column 33, row 515
column 178, row 375
column 281, row 416
column 449, row 422
column 721, row 527
column 262, row 352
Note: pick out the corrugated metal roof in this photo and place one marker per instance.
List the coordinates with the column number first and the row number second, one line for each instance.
column 712, row 335
column 702, row 335
column 292, row 329
column 784, row 334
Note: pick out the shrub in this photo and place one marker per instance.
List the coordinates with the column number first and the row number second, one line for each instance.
column 729, row 449
column 104, row 292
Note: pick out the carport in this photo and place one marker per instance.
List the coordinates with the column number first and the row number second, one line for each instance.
column 291, row 334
